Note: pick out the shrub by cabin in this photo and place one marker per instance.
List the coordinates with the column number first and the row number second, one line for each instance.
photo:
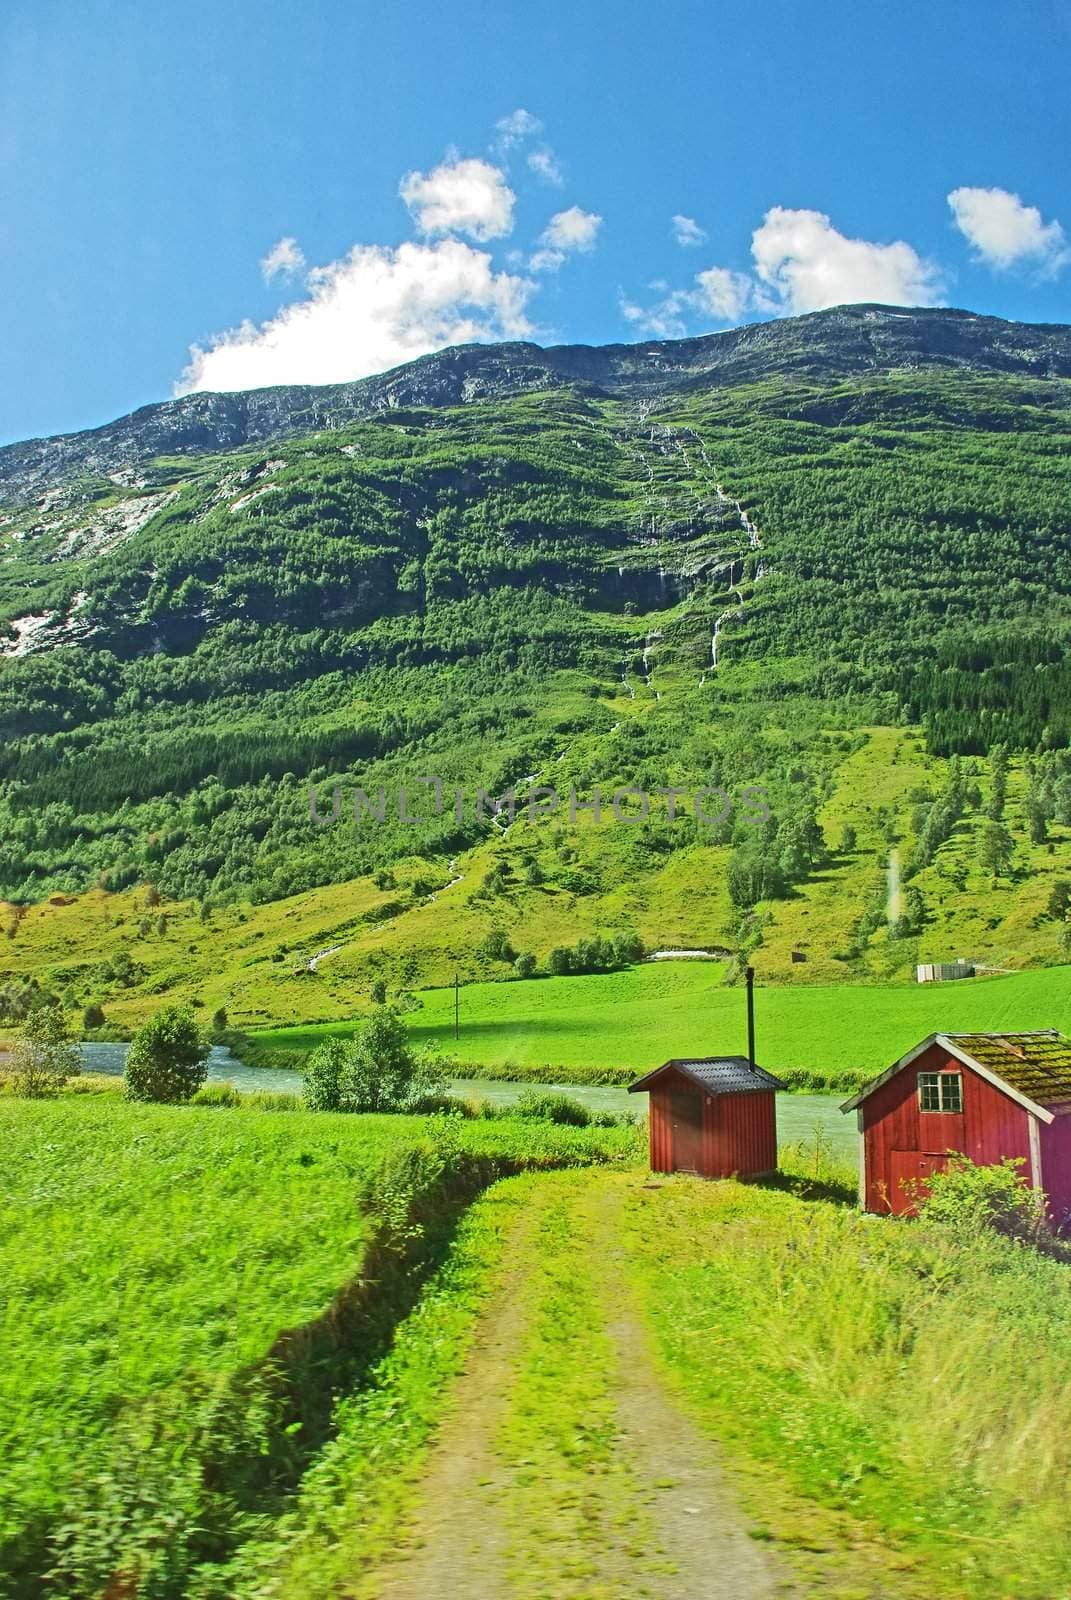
column 987, row 1096
column 715, row 1116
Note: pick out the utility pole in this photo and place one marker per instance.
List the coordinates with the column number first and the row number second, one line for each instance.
column 457, row 1005
column 750, row 976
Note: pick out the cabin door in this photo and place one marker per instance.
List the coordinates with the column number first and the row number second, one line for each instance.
column 908, row 1172
column 686, row 1118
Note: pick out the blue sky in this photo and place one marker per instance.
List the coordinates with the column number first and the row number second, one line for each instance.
column 155, row 160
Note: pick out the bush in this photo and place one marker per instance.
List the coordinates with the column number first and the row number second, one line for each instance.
column 972, row 1199
column 525, row 964
column 44, row 1057
column 219, row 1020
column 166, row 1060
column 377, row 1070
column 595, row 955
column 92, row 1017
column 430, row 1105
column 217, row 1094
column 553, row 1108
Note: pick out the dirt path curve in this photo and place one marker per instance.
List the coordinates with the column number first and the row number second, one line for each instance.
column 663, row 1521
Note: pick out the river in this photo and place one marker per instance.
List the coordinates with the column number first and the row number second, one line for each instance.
column 799, row 1116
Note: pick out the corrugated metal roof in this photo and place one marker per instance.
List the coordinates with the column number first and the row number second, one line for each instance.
column 1038, row 1065
column 717, row 1074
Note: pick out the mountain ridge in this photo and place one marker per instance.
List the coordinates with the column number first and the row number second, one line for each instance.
column 842, row 341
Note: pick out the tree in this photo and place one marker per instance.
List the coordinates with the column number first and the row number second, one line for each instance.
column 219, row 1020
column 848, row 840
column 321, row 1087
column 44, row 1056
column 995, row 851
column 628, row 948
column 1036, row 821
column 525, row 964
column 1059, row 899
column 92, row 1017
column 496, row 946
column 379, row 992
column 998, row 761
column 377, row 1070
column 166, row 1059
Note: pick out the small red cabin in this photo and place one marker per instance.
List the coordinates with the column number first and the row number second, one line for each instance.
column 986, row 1096
column 716, row 1117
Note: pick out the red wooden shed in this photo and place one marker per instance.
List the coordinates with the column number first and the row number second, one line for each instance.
column 987, row 1096
column 715, row 1116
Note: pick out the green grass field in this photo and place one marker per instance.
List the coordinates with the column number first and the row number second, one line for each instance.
column 631, row 1021
column 151, row 1258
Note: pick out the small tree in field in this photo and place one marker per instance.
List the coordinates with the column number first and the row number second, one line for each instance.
column 166, row 1060
column 44, row 1056
column 378, row 1070
column 321, row 1087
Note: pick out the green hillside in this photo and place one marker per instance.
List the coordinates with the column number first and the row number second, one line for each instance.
column 525, row 591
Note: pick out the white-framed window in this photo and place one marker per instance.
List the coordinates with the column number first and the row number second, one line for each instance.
column 941, row 1091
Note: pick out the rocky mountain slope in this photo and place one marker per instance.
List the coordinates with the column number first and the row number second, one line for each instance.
column 848, row 340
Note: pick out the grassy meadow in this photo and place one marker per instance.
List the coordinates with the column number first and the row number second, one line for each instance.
column 613, row 1025
column 153, row 1261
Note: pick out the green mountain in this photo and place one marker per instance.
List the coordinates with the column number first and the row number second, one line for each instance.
column 829, row 557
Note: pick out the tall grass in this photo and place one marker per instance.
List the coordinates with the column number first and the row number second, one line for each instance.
column 184, row 1291
column 887, row 1368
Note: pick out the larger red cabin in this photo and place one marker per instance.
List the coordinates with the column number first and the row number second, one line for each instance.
column 714, row 1116
column 986, row 1096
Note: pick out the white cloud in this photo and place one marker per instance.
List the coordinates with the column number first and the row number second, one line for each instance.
column 572, row 230
column 665, row 320
column 687, row 231
column 371, row 310
column 566, row 231
column 544, row 163
column 807, row 265
column 1005, row 232
column 285, row 259
column 520, row 124
column 460, row 196
column 718, row 293
column 546, row 260
column 722, row 293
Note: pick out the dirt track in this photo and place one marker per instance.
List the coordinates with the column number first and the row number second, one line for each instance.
column 656, row 1518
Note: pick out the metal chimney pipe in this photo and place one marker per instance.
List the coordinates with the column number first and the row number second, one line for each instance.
column 750, row 976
